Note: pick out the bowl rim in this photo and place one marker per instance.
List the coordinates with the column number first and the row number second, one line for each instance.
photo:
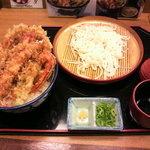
column 133, row 97
column 37, row 98
column 107, row 19
column 65, row 7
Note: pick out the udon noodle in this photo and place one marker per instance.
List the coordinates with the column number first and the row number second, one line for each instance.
column 96, row 47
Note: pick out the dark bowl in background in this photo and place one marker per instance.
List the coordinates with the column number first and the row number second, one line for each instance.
column 35, row 102
column 68, row 11
column 109, row 8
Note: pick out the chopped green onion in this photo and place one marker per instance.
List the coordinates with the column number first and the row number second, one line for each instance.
column 106, row 114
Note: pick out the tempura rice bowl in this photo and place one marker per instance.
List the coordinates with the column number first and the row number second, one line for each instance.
column 35, row 99
column 27, row 68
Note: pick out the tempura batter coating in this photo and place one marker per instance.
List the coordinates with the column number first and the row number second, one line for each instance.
column 26, row 62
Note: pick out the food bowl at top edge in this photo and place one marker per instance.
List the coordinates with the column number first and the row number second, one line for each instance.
column 140, row 104
column 67, row 10
column 35, row 102
column 128, row 65
column 22, row 3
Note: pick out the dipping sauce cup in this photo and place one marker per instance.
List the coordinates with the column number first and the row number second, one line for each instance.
column 140, row 104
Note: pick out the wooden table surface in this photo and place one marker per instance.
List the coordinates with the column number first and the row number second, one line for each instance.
column 9, row 17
